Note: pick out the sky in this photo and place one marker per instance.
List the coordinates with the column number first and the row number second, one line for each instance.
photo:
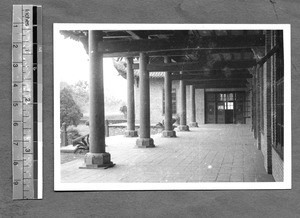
column 72, row 64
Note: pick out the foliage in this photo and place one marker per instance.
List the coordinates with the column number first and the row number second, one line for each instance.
column 73, row 133
column 70, row 112
column 77, row 35
column 123, row 109
column 177, row 119
column 79, row 92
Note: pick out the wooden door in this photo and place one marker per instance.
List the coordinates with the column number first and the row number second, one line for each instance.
column 239, row 108
column 210, row 112
column 228, row 116
column 220, row 112
column 210, row 108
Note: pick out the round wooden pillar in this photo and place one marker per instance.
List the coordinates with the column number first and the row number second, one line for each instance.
column 182, row 126
column 193, row 107
column 144, row 140
column 97, row 157
column 168, row 125
column 130, row 132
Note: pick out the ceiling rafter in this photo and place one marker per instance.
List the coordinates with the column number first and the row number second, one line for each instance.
column 156, row 45
column 196, row 66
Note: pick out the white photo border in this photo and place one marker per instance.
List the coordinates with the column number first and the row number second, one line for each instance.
column 287, row 181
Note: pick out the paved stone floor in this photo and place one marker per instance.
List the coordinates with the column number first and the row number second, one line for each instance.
column 210, row 153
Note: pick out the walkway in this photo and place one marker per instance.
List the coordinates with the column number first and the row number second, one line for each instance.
column 210, row 153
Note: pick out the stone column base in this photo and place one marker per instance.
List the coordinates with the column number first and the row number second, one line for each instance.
column 168, row 134
column 193, row 124
column 145, row 143
column 131, row 133
column 183, row 128
column 96, row 160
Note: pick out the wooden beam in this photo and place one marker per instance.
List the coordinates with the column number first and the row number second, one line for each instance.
column 155, row 45
column 138, row 46
column 268, row 55
column 217, row 84
column 237, row 81
column 182, row 52
column 211, row 77
column 234, row 71
column 115, row 37
column 207, row 86
column 214, row 71
column 134, row 36
column 196, row 66
column 183, row 66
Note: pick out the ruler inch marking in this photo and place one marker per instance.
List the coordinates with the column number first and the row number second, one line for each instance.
column 26, row 58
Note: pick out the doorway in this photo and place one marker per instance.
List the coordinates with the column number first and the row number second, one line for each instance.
column 225, row 107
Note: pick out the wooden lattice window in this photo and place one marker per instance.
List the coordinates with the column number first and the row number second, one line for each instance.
column 262, row 102
column 278, row 87
column 247, row 108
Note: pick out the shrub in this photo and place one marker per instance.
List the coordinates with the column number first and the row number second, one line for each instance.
column 123, row 109
column 177, row 119
column 73, row 133
column 69, row 111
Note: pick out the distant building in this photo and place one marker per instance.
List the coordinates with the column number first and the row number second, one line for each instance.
column 223, row 105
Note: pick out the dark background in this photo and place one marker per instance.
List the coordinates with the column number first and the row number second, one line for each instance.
column 277, row 203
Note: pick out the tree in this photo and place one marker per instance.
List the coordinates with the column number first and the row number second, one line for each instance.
column 70, row 112
column 80, row 93
column 123, row 109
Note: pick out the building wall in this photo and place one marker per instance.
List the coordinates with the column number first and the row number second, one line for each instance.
column 273, row 163
column 156, row 89
column 277, row 167
column 200, row 106
column 156, row 102
column 199, row 100
column 266, row 116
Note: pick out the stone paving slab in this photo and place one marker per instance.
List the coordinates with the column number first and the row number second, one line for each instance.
column 210, row 153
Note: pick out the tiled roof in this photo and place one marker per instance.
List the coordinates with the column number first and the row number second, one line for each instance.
column 121, row 68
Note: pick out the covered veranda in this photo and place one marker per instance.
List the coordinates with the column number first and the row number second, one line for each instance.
column 211, row 59
column 204, row 154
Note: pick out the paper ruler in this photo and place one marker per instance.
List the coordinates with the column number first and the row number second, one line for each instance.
column 27, row 102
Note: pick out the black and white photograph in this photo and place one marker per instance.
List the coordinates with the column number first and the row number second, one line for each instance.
column 172, row 106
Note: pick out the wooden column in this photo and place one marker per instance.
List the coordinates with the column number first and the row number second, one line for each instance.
column 168, row 124
column 254, row 104
column 268, row 102
column 258, row 52
column 183, row 126
column 144, row 140
column 97, row 157
column 193, row 107
column 258, row 106
column 130, row 132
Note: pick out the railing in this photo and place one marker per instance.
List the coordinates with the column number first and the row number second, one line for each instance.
column 108, row 125
column 64, row 134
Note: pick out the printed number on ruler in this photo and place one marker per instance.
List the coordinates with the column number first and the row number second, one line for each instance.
column 26, row 99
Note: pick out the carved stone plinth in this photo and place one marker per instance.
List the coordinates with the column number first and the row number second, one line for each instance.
column 168, row 134
column 145, row 143
column 131, row 133
column 183, row 128
column 193, row 124
column 96, row 160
